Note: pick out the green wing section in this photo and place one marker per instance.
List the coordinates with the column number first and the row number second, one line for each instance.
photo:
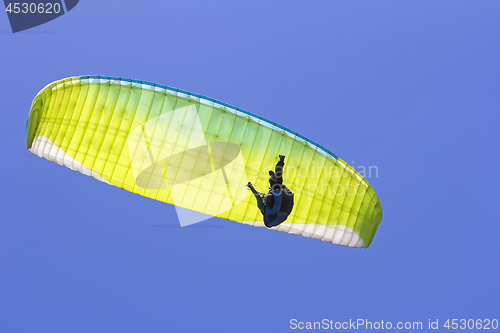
column 197, row 153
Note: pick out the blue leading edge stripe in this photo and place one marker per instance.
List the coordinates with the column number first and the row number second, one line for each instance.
column 211, row 100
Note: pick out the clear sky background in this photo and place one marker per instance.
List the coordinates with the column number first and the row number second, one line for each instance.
column 410, row 87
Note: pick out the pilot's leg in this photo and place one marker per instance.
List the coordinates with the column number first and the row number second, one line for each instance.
column 277, row 175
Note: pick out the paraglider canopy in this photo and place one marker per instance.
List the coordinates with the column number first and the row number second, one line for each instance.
column 198, row 153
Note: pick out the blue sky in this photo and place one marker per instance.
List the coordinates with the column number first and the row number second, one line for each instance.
column 411, row 87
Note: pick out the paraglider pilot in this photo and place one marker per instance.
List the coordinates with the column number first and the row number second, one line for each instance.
column 277, row 204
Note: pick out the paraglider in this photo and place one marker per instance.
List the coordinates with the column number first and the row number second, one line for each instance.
column 198, row 154
column 276, row 205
